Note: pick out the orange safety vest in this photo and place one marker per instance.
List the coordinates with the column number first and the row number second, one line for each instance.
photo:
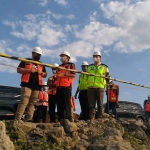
column 52, row 91
column 72, row 103
column 147, row 106
column 25, row 77
column 113, row 92
column 64, row 81
column 43, row 99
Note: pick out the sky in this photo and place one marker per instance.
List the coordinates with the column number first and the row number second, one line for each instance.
column 119, row 29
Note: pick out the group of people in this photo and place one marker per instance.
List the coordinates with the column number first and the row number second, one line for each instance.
column 91, row 88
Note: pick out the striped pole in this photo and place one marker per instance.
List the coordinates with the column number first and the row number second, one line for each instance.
column 72, row 70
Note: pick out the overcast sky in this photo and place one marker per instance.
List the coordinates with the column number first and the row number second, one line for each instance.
column 119, row 29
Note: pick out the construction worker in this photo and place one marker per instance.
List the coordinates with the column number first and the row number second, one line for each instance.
column 82, row 89
column 112, row 93
column 52, row 94
column 96, row 85
column 31, row 83
column 42, row 103
column 64, row 86
column 147, row 110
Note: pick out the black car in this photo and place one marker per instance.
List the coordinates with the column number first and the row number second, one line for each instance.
column 130, row 111
column 9, row 98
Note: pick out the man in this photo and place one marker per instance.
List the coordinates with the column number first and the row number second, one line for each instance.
column 64, row 85
column 82, row 89
column 51, row 82
column 96, row 85
column 112, row 93
column 147, row 109
column 42, row 104
column 31, row 83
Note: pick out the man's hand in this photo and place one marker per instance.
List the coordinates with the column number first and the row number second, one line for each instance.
column 39, row 72
column 75, row 96
column 59, row 75
column 33, row 70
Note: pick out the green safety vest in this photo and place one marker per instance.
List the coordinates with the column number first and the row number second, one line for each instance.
column 97, row 82
column 82, row 82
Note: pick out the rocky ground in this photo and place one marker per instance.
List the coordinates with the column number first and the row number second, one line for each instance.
column 100, row 134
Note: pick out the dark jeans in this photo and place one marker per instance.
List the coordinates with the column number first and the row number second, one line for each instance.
column 52, row 106
column 83, row 99
column 112, row 105
column 63, row 96
column 147, row 115
column 41, row 113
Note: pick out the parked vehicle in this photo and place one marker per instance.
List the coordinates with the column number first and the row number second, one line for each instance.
column 9, row 98
column 129, row 111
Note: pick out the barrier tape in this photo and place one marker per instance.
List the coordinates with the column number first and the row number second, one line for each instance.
column 72, row 70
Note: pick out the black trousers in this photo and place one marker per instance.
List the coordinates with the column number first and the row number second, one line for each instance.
column 52, row 106
column 41, row 113
column 83, row 99
column 63, row 103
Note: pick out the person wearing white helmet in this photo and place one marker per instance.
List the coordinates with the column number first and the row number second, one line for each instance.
column 96, row 85
column 82, row 90
column 51, row 82
column 31, row 83
column 112, row 93
column 64, row 86
column 42, row 103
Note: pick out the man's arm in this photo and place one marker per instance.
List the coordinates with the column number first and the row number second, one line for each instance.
column 22, row 70
column 77, row 91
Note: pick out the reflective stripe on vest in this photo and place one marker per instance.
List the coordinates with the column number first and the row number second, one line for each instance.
column 96, row 82
column 64, row 81
column 82, row 82
column 112, row 93
column 147, row 106
column 25, row 77
column 51, row 91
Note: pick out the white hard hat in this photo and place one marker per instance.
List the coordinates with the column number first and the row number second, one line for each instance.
column 37, row 50
column 97, row 53
column 56, row 65
column 44, row 83
column 65, row 53
column 84, row 63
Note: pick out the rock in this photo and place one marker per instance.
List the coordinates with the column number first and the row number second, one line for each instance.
column 69, row 126
column 57, row 131
column 111, row 143
column 81, row 145
column 112, row 132
column 82, row 136
column 45, row 126
column 5, row 142
column 139, row 134
column 136, row 124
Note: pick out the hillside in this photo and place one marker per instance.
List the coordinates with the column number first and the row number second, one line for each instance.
column 100, row 134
